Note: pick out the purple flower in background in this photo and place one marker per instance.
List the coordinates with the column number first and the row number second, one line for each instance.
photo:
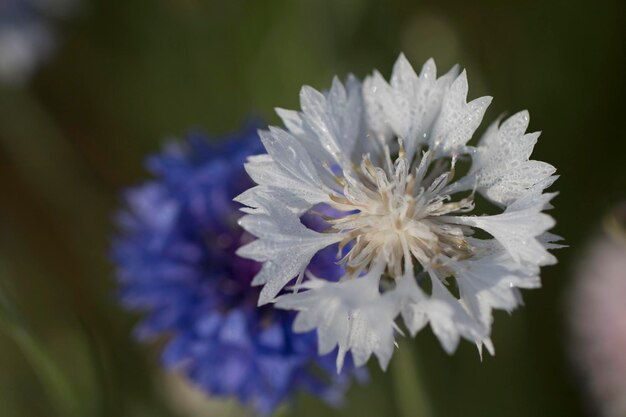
column 597, row 311
column 175, row 259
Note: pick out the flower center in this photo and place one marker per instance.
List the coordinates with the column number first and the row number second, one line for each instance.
column 393, row 213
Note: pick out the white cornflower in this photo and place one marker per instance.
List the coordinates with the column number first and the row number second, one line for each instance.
column 382, row 164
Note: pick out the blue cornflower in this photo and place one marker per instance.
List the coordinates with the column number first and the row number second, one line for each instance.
column 175, row 259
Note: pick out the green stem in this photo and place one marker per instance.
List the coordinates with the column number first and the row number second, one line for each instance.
column 54, row 381
column 411, row 398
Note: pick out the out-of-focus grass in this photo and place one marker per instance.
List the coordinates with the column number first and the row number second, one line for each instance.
column 411, row 395
column 131, row 73
column 61, row 393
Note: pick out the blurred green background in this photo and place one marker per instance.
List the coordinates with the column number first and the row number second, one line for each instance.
column 130, row 73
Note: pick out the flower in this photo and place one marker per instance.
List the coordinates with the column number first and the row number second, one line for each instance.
column 175, row 259
column 388, row 159
column 596, row 318
column 27, row 35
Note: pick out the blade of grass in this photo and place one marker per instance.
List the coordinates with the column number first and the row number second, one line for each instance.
column 411, row 398
column 55, row 383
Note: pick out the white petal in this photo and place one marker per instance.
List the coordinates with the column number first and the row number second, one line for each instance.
column 402, row 104
column 449, row 320
column 290, row 155
column 513, row 182
column 457, row 120
column 488, row 344
column 254, row 196
column 285, row 245
column 448, row 317
column 517, row 228
column 548, row 240
column 501, row 169
column 292, row 121
column 513, row 127
column 335, row 118
column 350, row 314
column 375, row 100
column 408, row 105
column 293, row 170
column 306, row 136
column 411, row 300
column 491, row 282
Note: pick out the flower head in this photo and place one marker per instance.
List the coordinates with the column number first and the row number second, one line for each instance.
column 28, row 35
column 385, row 165
column 176, row 260
column 596, row 316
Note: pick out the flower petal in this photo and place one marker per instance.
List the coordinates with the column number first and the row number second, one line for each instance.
column 458, row 119
column 285, row 245
column 294, row 171
column 517, row 228
column 335, row 118
column 501, row 168
column 351, row 314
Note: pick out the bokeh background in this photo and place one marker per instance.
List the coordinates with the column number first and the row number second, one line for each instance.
column 127, row 74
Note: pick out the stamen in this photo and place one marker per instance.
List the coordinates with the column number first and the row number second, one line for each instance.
column 338, row 180
column 388, row 159
column 339, row 199
column 395, row 214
